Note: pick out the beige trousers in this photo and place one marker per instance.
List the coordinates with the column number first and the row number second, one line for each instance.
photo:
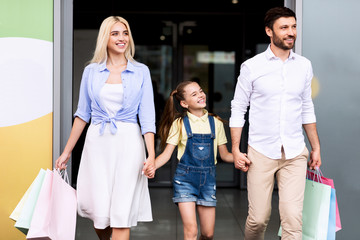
column 290, row 175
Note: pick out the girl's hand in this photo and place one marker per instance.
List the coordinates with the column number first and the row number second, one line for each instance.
column 149, row 167
column 62, row 161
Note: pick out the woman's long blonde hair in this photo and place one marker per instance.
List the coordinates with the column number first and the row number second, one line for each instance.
column 100, row 54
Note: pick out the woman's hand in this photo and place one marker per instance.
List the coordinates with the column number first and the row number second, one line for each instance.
column 150, row 173
column 149, row 167
column 62, row 161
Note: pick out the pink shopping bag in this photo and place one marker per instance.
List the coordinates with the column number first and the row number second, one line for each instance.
column 63, row 208
column 327, row 181
column 40, row 223
column 58, row 207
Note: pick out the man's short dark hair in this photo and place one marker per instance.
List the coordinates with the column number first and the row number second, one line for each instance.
column 275, row 13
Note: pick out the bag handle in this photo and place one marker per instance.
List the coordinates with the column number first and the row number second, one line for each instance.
column 317, row 174
column 64, row 175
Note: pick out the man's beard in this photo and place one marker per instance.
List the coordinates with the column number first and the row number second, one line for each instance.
column 281, row 43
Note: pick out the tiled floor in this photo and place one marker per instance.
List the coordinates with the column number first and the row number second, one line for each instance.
column 231, row 212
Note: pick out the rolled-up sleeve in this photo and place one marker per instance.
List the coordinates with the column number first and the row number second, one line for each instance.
column 84, row 105
column 241, row 99
column 146, row 106
column 308, row 112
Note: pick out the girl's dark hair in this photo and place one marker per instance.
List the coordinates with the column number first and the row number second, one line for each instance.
column 275, row 13
column 174, row 110
column 171, row 111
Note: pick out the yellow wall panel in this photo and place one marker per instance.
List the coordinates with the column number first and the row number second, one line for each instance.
column 24, row 149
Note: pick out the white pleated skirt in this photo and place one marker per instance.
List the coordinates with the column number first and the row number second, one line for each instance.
column 111, row 190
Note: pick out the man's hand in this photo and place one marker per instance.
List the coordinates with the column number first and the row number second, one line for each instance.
column 315, row 159
column 241, row 161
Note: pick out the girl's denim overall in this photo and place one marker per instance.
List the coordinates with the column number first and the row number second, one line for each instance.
column 195, row 176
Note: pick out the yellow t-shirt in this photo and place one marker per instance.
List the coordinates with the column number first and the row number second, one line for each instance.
column 199, row 125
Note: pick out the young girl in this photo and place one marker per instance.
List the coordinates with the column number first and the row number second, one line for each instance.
column 197, row 134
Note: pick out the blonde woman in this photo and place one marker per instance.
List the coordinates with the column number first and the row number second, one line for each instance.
column 115, row 90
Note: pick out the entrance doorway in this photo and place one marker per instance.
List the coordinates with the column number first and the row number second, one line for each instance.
column 198, row 49
column 203, row 41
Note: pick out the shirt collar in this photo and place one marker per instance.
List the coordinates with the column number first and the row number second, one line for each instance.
column 292, row 55
column 130, row 66
column 270, row 55
column 194, row 118
column 102, row 66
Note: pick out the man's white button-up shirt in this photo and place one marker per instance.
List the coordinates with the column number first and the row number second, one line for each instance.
column 279, row 95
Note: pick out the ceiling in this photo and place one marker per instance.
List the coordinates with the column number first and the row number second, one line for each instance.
column 90, row 13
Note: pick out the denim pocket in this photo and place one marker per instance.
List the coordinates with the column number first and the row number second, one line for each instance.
column 201, row 151
column 180, row 172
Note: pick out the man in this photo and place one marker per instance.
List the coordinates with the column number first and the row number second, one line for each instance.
column 277, row 86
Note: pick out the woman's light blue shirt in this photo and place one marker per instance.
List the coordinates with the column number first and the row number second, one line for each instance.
column 138, row 97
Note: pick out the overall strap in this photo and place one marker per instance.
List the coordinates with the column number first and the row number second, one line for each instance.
column 187, row 126
column 212, row 126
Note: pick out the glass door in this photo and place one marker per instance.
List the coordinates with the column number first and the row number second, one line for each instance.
column 182, row 51
column 158, row 54
column 212, row 63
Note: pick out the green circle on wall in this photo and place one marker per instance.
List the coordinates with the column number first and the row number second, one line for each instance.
column 27, row 19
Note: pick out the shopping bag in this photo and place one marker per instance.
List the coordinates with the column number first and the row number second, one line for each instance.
column 331, row 234
column 24, row 219
column 39, row 227
column 63, row 208
column 55, row 213
column 318, row 177
column 316, row 210
column 16, row 213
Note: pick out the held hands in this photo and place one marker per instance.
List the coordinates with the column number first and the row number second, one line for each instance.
column 241, row 161
column 315, row 159
column 149, row 168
